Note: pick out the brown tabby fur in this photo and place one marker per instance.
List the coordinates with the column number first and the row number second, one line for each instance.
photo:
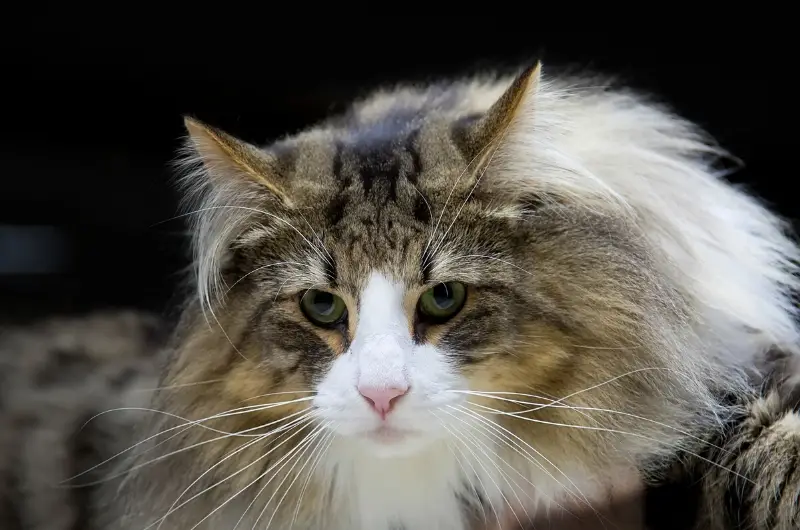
column 562, row 298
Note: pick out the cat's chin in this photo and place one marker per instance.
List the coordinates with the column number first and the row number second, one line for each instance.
column 386, row 442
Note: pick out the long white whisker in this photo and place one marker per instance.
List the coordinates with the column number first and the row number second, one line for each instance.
column 593, row 409
column 196, row 445
column 466, row 475
column 256, row 210
column 279, row 393
column 612, row 431
column 232, row 412
column 580, row 346
column 302, row 444
column 222, row 481
column 478, row 460
column 527, row 456
column 598, row 385
column 500, row 435
column 430, row 212
column 320, row 455
column 320, row 442
column 483, row 448
column 316, row 236
column 209, row 470
column 494, row 258
column 188, row 424
column 281, row 429
column 225, row 333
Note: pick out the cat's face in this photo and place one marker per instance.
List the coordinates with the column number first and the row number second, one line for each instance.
column 394, row 293
column 389, row 273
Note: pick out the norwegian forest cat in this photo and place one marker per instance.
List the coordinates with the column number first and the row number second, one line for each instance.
column 454, row 304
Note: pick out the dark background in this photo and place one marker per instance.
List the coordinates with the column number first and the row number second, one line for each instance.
column 91, row 119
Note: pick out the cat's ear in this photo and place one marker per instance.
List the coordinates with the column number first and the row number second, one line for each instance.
column 230, row 162
column 479, row 139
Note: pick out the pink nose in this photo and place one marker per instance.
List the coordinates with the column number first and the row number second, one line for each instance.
column 382, row 399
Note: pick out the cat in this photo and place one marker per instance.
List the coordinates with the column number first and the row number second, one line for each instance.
column 454, row 303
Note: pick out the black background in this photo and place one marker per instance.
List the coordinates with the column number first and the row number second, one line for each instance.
column 91, row 118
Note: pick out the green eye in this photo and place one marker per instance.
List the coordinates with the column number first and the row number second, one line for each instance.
column 322, row 308
column 443, row 301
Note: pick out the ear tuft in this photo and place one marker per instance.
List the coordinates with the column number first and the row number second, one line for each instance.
column 490, row 128
column 226, row 157
column 226, row 183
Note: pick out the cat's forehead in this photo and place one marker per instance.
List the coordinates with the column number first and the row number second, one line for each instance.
column 389, row 166
column 377, row 214
column 383, row 185
column 381, row 189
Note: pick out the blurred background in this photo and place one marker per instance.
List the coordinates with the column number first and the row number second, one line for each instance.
column 92, row 116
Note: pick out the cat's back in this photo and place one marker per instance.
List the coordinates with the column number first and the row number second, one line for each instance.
column 55, row 375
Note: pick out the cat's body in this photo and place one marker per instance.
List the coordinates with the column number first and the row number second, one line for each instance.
column 453, row 302
column 54, row 377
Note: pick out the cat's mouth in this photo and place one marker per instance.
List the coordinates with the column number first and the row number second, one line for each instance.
column 388, row 435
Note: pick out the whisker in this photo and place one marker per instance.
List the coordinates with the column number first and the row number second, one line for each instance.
column 626, row 374
column 189, row 423
column 430, row 212
column 303, row 445
column 222, row 481
column 500, row 434
column 194, row 446
column 528, row 457
column 232, row 412
column 615, row 431
column 280, row 393
column 483, row 486
column 281, row 429
column 300, row 446
column 289, row 487
column 256, row 210
column 593, row 409
column 209, row 470
column 278, row 292
column 467, row 475
column 320, row 455
column 581, row 346
column 316, row 236
column 225, row 333
column 494, row 258
column 480, row 445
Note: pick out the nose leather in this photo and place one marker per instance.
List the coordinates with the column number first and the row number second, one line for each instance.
column 383, row 399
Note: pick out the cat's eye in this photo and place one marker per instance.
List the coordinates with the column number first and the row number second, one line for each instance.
column 443, row 301
column 322, row 308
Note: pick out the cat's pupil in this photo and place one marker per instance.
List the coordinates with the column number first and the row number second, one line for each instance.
column 442, row 296
column 323, row 303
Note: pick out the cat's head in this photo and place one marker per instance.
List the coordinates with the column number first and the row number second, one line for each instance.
column 423, row 264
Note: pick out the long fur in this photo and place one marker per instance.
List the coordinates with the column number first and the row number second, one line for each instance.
column 628, row 276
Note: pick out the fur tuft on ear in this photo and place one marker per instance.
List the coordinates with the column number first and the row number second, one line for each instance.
column 512, row 156
column 479, row 136
column 582, row 143
column 226, row 182
column 226, row 157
